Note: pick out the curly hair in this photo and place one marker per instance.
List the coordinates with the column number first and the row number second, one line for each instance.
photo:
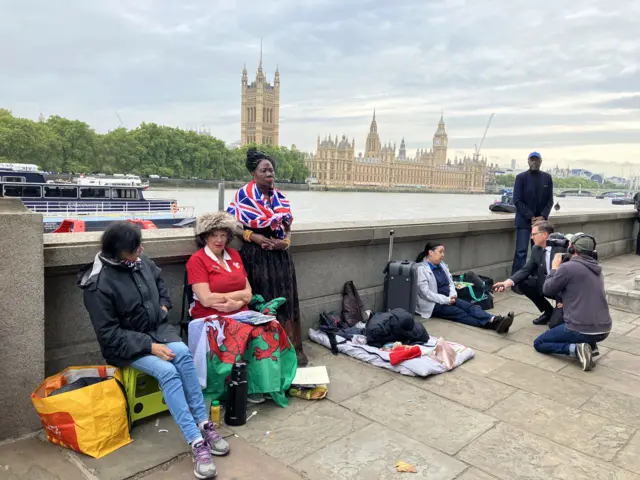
column 254, row 157
column 208, row 223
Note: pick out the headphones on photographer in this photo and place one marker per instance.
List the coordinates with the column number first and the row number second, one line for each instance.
column 591, row 253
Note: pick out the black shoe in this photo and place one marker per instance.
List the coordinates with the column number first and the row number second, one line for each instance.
column 505, row 323
column 594, row 351
column 543, row 319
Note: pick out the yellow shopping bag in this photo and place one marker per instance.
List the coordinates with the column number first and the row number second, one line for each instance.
column 92, row 419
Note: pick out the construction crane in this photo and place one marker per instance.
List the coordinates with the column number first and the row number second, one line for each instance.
column 476, row 155
column 120, row 120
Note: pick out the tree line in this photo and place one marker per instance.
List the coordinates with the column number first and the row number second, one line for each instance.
column 58, row 144
column 558, row 182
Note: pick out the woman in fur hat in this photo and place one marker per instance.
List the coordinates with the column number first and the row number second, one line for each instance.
column 265, row 215
column 216, row 272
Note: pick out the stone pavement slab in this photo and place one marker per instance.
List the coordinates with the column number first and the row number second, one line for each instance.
column 350, row 377
column 148, row 449
column 617, row 406
column 621, row 328
column 625, row 317
column 475, row 474
column 526, row 354
column 475, row 338
column 421, row 415
column 623, row 343
column 483, row 363
column 302, row 433
column 622, row 361
column 372, row 453
column 31, row 458
column 511, row 453
column 605, row 377
column 585, row 432
column 547, row 384
column 467, row 388
column 629, row 457
column 243, row 463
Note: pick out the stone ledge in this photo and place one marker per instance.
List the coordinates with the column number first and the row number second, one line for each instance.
column 625, row 297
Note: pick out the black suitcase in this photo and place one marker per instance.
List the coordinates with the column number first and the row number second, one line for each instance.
column 400, row 283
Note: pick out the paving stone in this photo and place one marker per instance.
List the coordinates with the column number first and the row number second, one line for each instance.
column 621, row 328
column 582, row 431
column 148, row 449
column 483, row 363
column 372, row 453
column 314, row 350
column 421, row 415
column 32, row 458
column 635, row 333
column 303, row 433
column 473, row 391
column 511, row 453
column 624, row 317
column 605, row 377
column 615, row 405
column 527, row 335
column 475, row 338
column 622, row 361
column 349, row 377
column 527, row 354
column 623, row 343
column 233, row 466
column 270, row 409
column 629, row 457
column 475, row 474
column 518, row 304
column 550, row 385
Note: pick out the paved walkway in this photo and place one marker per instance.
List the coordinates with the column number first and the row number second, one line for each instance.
column 508, row 413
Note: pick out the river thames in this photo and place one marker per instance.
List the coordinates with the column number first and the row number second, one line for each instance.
column 325, row 207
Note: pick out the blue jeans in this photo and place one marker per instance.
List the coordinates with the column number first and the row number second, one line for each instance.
column 563, row 341
column 180, row 386
column 463, row 312
column 523, row 239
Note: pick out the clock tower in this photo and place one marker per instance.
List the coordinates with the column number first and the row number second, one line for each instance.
column 440, row 144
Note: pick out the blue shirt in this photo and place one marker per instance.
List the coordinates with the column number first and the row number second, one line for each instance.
column 441, row 279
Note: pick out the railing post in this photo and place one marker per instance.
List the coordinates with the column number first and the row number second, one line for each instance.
column 221, row 196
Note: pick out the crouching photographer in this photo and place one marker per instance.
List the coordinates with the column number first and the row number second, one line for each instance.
column 577, row 278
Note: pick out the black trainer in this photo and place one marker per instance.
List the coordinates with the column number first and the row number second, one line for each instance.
column 543, row 319
column 505, row 323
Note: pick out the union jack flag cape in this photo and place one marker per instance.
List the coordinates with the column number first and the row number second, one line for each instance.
column 252, row 209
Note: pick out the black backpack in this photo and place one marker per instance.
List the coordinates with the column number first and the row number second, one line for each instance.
column 330, row 324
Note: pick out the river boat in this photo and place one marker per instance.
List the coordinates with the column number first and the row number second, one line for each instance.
column 96, row 205
column 113, row 181
column 504, row 205
column 623, row 201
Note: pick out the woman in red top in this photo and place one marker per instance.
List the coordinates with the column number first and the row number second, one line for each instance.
column 215, row 272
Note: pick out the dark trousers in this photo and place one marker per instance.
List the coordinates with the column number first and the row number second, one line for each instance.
column 529, row 288
column 561, row 340
column 523, row 240
column 463, row 312
column 638, row 237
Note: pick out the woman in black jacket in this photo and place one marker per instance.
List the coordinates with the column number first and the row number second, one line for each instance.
column 128, row 304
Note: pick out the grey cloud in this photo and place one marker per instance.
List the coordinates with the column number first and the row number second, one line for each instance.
column 552, row 63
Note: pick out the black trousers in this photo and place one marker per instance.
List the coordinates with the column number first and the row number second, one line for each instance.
column 530, row 290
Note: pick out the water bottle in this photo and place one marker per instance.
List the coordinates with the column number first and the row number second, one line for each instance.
column 236, row 411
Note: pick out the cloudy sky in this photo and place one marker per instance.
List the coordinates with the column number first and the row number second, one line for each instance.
column 561, row 76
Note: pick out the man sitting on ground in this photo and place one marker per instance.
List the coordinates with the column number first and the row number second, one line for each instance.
column 531, row 277
column 578, row 279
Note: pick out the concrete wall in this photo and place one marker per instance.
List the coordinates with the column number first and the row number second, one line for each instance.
column 325, row 256
column 44, row 330
column 22, row 341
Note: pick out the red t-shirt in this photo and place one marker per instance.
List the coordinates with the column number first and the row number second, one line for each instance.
column 201, row 268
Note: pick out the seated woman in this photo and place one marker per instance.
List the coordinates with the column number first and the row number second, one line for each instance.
column 437, row 295
column 215, row 272
column 128, row 305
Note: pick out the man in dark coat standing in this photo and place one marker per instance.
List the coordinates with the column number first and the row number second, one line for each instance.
column 533, row 198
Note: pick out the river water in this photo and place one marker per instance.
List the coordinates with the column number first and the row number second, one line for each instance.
column 324, row 207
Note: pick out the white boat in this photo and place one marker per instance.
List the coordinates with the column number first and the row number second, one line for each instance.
column 120, row 181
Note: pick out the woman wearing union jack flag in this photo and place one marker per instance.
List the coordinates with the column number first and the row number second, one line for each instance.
column 265, row 215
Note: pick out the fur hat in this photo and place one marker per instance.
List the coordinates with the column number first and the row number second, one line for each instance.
column 208, row 222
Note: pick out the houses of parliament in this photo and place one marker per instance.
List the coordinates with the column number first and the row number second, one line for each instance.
column 335, row 162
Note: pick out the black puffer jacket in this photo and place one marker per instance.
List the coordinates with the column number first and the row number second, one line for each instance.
column 396, row 325
column 125, row 308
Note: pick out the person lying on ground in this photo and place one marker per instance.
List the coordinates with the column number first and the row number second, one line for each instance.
column 437, row 295
column 129, row 308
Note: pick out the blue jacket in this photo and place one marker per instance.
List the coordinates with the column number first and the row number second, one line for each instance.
column 530, row 203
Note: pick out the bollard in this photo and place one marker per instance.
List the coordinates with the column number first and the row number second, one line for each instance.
column 221, row 196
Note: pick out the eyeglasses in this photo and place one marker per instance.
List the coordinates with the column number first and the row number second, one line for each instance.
column 536, row 233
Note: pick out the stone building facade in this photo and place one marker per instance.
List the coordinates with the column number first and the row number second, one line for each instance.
column 260, row 117
column 336, row 164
